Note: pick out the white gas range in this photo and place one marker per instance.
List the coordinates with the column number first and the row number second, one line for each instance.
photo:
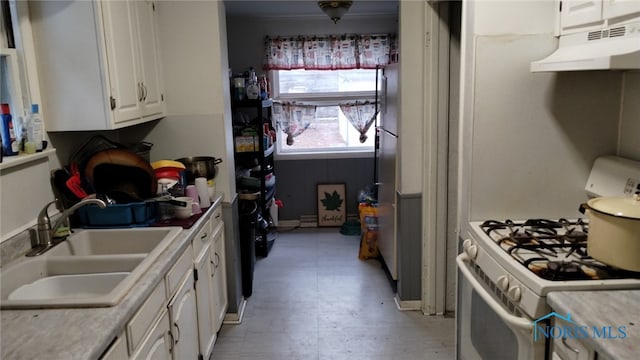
column 507, row 268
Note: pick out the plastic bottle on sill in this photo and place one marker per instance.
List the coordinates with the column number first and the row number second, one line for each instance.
column 35, row 128
column 10, row 145
column 253, row 90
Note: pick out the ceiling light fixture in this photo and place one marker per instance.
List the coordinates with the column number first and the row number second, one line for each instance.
column 335, row 9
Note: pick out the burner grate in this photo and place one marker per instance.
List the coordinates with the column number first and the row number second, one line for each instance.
column 553, row 250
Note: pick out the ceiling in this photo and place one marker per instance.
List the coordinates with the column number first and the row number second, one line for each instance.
column 307, row 8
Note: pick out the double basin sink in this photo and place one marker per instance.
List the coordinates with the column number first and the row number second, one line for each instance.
column 91, row 268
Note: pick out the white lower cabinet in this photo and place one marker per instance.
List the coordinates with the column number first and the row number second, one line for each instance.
column 569, row 349
column 117, row 350
column 219, row 276
column 182, row 315
column 157, row 344
column 204, row 295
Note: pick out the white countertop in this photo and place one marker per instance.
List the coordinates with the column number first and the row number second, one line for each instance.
column 84, row 333
column 604, row 308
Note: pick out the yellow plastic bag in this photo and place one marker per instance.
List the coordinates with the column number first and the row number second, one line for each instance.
column 369, row 239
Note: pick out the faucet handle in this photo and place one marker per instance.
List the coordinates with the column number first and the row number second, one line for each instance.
column 44, row 222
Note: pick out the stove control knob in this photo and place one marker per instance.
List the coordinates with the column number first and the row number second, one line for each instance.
column 466, row 244
column 470, row 248
column 503, row 282
column 515, row 293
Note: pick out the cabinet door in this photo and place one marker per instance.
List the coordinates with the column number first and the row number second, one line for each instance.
column 219, row 282
column 204, row 302
column 184, row 320
column 152, row 97
column 157, row 345
column 580, row 12
column 615, row 8
column 122, row 62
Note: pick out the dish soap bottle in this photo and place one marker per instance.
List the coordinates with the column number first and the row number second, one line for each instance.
column 253, row 90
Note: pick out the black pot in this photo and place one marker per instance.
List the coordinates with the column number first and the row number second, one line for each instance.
column 200, row 166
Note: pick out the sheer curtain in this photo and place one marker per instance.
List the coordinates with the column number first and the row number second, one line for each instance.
column 361, row 116
column 330, row 52
column 293, row 118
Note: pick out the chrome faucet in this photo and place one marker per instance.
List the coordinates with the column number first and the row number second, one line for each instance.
column 45, row 239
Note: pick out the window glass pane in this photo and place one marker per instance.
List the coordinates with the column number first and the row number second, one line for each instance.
column 323, row 81
column 331, row 131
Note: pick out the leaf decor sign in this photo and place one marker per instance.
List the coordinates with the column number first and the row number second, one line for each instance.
column 332, row 208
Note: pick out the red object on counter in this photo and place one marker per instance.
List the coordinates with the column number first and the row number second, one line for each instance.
column 184, row 223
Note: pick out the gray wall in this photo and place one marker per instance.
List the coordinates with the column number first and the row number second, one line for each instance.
column 297, row 179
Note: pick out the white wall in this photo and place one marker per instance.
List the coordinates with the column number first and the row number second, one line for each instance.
column 412, row 97
column 630, row 117
column 528, row 140
column 194, row 55
column 24, row 190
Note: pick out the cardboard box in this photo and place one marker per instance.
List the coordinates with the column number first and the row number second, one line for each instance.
column 246, row 143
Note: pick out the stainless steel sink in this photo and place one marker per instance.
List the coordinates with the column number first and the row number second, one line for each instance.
column 92, row 268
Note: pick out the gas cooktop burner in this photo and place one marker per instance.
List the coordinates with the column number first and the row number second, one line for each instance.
column 553, row 250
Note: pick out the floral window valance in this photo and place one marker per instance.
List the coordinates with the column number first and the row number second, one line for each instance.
column 330, row 52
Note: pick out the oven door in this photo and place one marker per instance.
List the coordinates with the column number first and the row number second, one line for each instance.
column 487, row 329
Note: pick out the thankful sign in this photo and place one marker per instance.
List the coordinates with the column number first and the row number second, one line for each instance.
column 331, row 205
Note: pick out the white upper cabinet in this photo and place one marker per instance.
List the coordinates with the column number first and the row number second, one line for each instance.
column 580, row 12
column 620, row 8
column 98, row 62
column 586, row 15
column 152, row 91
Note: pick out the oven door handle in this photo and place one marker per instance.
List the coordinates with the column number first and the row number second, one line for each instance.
column 517, row 323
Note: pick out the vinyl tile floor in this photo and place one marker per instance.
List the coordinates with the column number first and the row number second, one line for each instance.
column 314, row 299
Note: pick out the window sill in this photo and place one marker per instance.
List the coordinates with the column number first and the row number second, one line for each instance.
column 324, row 155
column 17, row 160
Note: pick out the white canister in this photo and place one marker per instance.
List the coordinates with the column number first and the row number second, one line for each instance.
column 212, row 189
column 203, row 192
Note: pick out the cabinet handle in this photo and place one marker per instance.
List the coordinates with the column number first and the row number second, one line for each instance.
column 204, row 236
column 140, row 92
column 177, row 331
column 217, row 260
column 144, row 92
column 213, row 271
column 564, row 342
column 172, row 341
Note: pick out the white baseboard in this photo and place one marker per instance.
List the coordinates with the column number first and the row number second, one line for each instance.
column 307, row 221
column 288, row 224
column 410, row 305
column 235, row 318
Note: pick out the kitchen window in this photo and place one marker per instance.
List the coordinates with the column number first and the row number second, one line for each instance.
column 329, row 134
column 15, row 46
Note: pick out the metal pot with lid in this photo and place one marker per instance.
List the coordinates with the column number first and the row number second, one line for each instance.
column 200, row 166
column 614, row 230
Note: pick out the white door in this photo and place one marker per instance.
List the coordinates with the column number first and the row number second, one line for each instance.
column 184, row 321
column 204, row 300
column 121, row 48
column 150, row 66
